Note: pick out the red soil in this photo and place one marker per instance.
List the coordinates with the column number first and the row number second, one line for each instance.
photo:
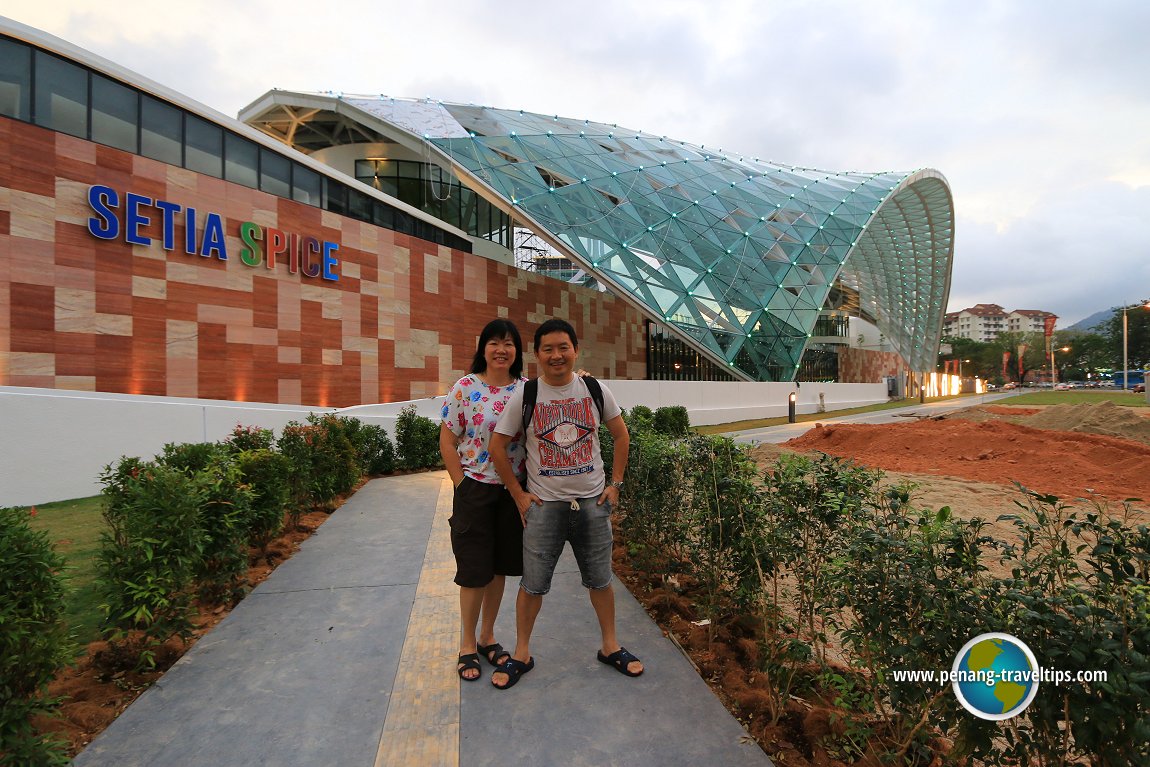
column 1063, row 463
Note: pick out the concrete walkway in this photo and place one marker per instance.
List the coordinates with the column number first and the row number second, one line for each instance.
column 346, row 656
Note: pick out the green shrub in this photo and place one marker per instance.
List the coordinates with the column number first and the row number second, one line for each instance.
column 225, row 520
column 34, row 643
column 378, row 453
column 335, row 458
column 1079, row 596
column 267, row 473
column 722, row 509
column 244, row 438
column 294, row 444
column 651, row 518
column 374, row 453
column 416, row 440
column 429, row 438
column 821, row 553
column 810, row 506
column 674, row 421
column 148, row 557
column 909, row 589
column 323, row 462
column 190, row 457
column 640, row 418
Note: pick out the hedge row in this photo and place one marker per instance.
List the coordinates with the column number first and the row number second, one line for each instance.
column 179, row 527
column 34, row 643
column 846, row 581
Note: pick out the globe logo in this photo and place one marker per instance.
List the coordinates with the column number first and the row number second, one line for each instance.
column 995, row 676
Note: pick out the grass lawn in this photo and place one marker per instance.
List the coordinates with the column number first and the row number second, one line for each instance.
column 1078, row 397
column 74, row 529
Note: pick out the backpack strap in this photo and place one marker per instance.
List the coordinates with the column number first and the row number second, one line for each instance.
column 531, row 394
column 596, row 390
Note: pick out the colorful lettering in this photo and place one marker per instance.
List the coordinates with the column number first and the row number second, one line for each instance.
column 214, row 243
column 251, row 252
column 269, row 246
column 134, row 218
column 104, row 224
column 329, row 261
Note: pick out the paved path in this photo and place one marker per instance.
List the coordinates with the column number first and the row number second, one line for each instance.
column 345, row 657
column 784, row 432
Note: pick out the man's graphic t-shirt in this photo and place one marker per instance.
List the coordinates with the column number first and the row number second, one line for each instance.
column 563, row 457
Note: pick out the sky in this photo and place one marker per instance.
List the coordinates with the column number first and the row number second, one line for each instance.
column 1037, row 112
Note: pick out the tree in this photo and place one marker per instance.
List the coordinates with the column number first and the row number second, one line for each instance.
column 1138, row 336
column 1089, row 354
column 1033, row 357
column 976, row 356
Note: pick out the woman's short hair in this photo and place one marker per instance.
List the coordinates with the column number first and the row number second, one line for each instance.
column 499, row 329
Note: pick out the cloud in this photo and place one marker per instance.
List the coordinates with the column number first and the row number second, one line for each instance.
column 1035, row 112
column 1081, row 251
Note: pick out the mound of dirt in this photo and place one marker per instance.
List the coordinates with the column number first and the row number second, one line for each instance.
column 1100, row 418
column 1069, row 464
column 993, row 413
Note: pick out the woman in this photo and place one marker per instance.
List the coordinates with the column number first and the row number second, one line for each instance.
column 486, row 531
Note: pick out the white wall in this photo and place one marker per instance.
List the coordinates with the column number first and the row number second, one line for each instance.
column 714, row 402
column 54, row 443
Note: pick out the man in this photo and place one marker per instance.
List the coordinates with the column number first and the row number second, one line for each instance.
column 567, row 497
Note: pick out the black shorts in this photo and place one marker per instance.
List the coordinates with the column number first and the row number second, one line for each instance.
column 486, row 533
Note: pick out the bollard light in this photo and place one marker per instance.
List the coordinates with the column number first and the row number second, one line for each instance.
column 791, row 407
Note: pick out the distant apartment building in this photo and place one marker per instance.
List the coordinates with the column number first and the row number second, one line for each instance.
column 984, row 322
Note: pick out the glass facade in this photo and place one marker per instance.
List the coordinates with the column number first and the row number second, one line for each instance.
column 735, row 255
column 437, row 192
column 670, row 359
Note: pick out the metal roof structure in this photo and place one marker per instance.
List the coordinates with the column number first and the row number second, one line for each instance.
column 736, row 255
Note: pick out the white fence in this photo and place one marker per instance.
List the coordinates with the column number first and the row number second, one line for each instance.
column 55, row 443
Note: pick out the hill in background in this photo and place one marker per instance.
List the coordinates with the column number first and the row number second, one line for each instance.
column 1093, row 322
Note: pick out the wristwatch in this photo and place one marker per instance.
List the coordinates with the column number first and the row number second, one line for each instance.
column 618, row 486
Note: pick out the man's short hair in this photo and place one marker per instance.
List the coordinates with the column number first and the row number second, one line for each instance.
column 555, row 325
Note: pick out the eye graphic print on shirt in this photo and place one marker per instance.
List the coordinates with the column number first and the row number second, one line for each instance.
column 565, row 431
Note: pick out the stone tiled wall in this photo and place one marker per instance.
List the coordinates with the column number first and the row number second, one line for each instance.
column 78, row 312
column 869, row 366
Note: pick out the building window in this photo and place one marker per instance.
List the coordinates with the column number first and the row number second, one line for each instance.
column 835, row 326
column 205, row 147
column 336, row 198
column 115, row 114
column 359, row 205
column 15, row 80
column 161, row 131
column 669, row 359
column 275, row 173
column 61, row 96
column 306, row 185
column 241, row 161
column 52, row 92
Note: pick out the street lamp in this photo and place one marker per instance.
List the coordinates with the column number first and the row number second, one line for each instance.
column 1054, row 366
column 1125, row 345
column 961, row 384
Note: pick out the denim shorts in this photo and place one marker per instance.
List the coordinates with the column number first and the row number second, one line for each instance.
column 584, row 523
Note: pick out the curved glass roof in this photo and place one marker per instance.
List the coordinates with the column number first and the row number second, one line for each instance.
column 736, row 254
